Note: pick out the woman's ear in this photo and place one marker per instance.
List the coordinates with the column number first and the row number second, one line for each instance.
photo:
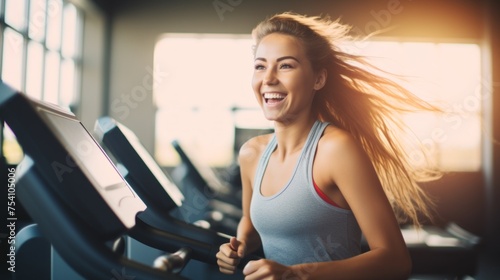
column 320, row 79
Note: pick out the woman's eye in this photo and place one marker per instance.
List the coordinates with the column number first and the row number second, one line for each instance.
column 259, row 67
column 286, row 66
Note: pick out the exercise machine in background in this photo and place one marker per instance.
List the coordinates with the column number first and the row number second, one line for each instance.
column 82, row 205
column 184, row 201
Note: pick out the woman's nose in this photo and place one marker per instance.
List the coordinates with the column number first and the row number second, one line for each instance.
column 270, row 77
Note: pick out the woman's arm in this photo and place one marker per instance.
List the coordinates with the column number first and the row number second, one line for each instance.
column 248, row 158
column 346, row 165
column 247, row 239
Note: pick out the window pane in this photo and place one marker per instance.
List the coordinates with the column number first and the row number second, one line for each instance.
column 70, row 31
column 223, row 69
column 12, row 58
column 67, row 81
column 38, row 15
column 51, row 88
column 15, row 13
column 215, row 58
column 460, row 72
column 460, row 151
column 212, row 138
column 449, row 75
column 34, row 74
column 54, row 19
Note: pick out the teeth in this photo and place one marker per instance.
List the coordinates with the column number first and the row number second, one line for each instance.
column 274, row 96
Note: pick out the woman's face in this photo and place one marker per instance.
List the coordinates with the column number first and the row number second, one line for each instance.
column 284, row 82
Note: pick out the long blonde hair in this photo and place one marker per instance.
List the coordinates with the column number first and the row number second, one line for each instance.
column 363, row 103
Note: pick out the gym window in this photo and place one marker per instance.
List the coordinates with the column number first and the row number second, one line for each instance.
column 40, row 54
column 207, row 93
column 448, row 75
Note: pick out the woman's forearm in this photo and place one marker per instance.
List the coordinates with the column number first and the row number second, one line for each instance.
column 375, row 264
column 247, row 233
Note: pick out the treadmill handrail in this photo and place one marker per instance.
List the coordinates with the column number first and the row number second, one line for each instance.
column 80, row 247
column 204, row 243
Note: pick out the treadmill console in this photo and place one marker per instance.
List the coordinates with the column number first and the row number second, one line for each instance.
column 71, row 162
column 147, row 177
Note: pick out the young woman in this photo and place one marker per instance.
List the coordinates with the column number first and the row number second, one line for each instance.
column 331, row 171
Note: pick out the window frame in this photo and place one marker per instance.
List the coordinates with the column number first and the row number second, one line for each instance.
column 25, row 33
column 73, row 101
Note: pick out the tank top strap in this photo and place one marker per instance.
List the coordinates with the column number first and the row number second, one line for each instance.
column 310, row 148
column 264, row 159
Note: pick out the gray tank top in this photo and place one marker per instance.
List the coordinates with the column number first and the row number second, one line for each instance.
column 296, row 225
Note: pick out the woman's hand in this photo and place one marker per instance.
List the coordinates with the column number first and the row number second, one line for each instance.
column 230, row 255
column 264, row 269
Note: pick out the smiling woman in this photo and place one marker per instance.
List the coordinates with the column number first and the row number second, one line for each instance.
column 331, row 170
column 334, row 168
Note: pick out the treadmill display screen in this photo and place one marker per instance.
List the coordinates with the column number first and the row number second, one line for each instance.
column 95, row 164
column 84, row 149
column 172, row 190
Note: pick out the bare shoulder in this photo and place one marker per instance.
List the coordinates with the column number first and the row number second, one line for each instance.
column 338, row 149
column 251, row 150
column 336, row 141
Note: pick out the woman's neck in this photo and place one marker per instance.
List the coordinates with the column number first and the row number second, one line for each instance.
column 291, row 136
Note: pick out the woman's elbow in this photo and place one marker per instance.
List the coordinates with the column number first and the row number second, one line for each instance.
column 404, row 266
column 399, row 264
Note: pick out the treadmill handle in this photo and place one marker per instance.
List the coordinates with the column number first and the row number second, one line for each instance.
column 202, row 249
column 174, row 262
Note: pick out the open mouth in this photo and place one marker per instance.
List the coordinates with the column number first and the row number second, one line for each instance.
column 271, row 98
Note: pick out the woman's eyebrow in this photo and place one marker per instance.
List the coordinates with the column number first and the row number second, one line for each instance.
column 279, row 59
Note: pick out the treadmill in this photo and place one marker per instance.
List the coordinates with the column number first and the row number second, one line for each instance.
column 191, row 172
column 156, row 187
column 81, row 203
